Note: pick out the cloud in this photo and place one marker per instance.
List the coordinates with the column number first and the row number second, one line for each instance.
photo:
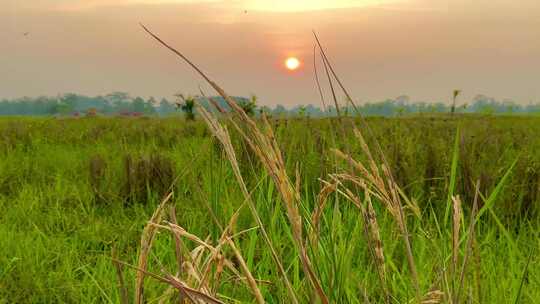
column 92, row 4
column 312, row 5
column 252, row 5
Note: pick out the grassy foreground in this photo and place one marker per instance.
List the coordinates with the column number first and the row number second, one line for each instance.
column 72, row 189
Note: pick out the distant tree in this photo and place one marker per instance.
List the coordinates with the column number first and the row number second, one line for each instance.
column 187, row 105
column 70, row 101
column 420, row 107
column 120, row 101
column 279, row 110
column 532, row 107
column 150, row 106
column 265, row 110
column 165, row 107
column 138, row 105
column 106, row 105
column 508, row 106
column 117, row 97
column 331, row 110
column 249, row 106
column 401, row 110
column 302, row 111
column 313, row 111
column 454, row 99
column 403, row 100
column 62, row 108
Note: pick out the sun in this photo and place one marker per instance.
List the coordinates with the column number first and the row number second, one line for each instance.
column 292, row 63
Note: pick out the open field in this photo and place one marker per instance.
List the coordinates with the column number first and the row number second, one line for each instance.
column 71, row 189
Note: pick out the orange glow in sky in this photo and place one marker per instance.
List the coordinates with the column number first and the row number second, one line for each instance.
column 310, row 5
column 381, row 48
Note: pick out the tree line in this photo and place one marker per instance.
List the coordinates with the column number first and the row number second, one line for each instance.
column 120, row 103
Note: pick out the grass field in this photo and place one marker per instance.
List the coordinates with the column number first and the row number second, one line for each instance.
column 72, row 189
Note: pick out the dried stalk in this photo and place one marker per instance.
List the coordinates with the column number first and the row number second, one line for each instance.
column 147, row 240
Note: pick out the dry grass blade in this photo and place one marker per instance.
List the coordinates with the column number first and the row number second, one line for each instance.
column 333, row 91
column 192, row 265
column 185, row 234
column 223, row 136
column 269, row 153
column 146, row 244
column 375, row 232
column 373, row 179
column 322, row 198
column 177, row 243
column 385, row 188
column 433, row 297
column 215, row 256
column 456, row 219
column 265, row 147
column 298, row 179
column 124, row 299
column 193, row 292
column 317, row 81
column 321, row 93
column 371, row 231
column 176, row 283
column 470, row 240
column 214, row 259
column 249, row 277
column 364, row 295
column 243, row 266
column 389, row 177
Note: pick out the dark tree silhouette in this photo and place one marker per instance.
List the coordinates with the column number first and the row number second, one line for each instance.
column 456, row 94
column 187, row 105
column 249, row 106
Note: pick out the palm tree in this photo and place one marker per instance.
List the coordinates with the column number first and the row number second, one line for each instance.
column 250, row 106
column 456, row 94
column 187, row 105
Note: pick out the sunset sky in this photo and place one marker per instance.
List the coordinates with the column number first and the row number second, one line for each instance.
column 380, row 48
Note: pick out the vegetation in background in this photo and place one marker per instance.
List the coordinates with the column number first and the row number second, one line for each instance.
column 248, row 106
column 123, row 104
column 291, row 210
column 72, row 189
column 187, row 105
column 454, row 100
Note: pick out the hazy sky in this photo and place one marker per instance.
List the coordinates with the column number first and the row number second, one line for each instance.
column 380, row 48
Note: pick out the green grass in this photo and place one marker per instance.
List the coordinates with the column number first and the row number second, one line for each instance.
column 58, row 226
